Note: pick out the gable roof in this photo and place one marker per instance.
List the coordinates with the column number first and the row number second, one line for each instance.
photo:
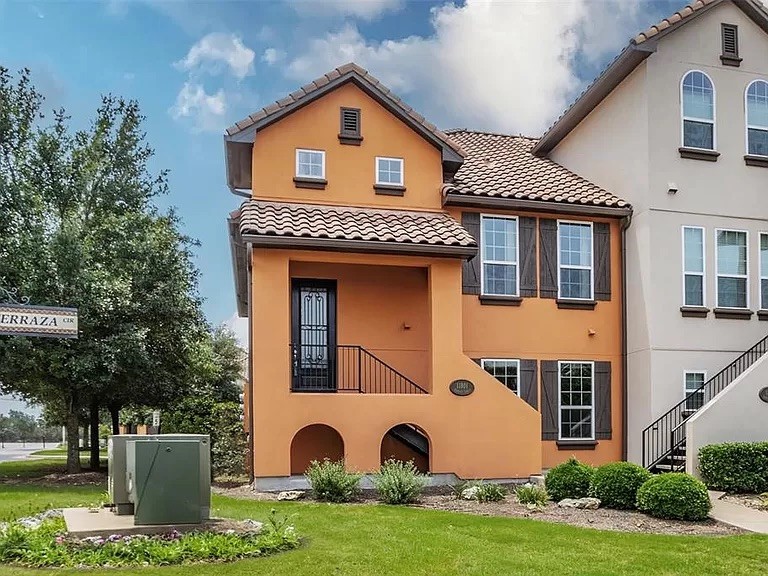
column 500, row 170
column 639, row 48
column 242, row 134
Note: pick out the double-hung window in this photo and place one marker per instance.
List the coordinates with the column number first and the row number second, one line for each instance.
column 693, row 266
column 505, row 371
column 757, row 118
column 389, row 171
column 575, row 272
column 310, row 164
column 499, row 255
column 698, row 102
column 694, row 397
column 577, row 405
column 763, row 271
column 732, row 269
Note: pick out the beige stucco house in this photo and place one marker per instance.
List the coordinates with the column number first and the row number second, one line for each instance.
column 678, row 126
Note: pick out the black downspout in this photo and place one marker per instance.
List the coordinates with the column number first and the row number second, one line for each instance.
column 625, row 223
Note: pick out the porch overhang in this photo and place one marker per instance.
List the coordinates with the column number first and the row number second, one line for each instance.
column 511, row 203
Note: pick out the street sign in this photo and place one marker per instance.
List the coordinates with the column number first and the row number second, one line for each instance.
column 45, row 321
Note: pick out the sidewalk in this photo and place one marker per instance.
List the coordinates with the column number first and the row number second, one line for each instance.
column 738, row 515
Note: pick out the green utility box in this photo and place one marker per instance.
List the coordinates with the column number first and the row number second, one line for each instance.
column 163, row 481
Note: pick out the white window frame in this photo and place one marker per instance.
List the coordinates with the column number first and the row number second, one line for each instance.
column 582, row 407
column 390, row 158
column 747, row 125
column 683, row 117
column 717, row 269
column 763, row 273
column 703, row 272
column 516, row 261
column 685, row 384
column 322, row 155
column 591, row 267
column 515, row 361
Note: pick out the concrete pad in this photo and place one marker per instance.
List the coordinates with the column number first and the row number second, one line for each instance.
column 737, row 515
column 83, row 522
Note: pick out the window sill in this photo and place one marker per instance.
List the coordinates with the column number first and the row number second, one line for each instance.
column 733, row 313
column 698, row 154
column 694, row 311
column 566, row 304
column 730, row 60
column 490, row 300
column 762, row 314
column 389, row 189
column 752, row 160
column 576, row 444
column 314, row 183
column 350, row 139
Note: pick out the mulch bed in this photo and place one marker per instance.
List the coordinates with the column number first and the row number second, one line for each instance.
column 749, row 500
column 60, row 479
column 442, row 498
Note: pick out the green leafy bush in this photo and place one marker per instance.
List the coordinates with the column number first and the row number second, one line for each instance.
column 399, row 482
column 616, row 484
column 489, row 492
column 331, row 482
column 532, row 495
column 229, row 443
column 675, row 496
column 568, row 480
column 735, row 466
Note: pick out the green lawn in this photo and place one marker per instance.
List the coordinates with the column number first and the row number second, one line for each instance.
column 36, row 468
column 379, row 540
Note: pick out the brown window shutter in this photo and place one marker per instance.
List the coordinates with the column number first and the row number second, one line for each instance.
column 548, row 258
column 528, row 286
column 529, row 383
column 602, row 260
column 602, row 401
column 549, row 393
column 470, row 272
column 477, row 361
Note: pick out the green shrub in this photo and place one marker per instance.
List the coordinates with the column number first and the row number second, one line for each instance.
column 532, row 495
column 675, row 496
column 229, row 444
column 616, row 484
column 399, row 482
column 331, row 482
column 735, row 466
column 489, row 492
column 568, row 480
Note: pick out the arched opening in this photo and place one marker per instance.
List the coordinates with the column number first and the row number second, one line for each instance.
column 315, row 442
column 407, row 442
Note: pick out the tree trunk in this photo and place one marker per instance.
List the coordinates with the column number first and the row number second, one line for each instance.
column 114, row 412
column 73, row 440
column 95, row 461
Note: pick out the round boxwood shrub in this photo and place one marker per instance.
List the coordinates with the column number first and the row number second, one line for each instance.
column 616, row 484
column 570, row 479
column 674, row 496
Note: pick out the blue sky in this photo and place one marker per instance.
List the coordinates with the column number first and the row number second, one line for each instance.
column 197, row 67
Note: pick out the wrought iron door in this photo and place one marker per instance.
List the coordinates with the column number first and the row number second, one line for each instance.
column 313, row 327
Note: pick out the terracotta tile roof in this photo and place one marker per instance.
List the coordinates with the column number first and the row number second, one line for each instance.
column 342, row 223
column 349, row 69
column 503, row 166
column 676, row 18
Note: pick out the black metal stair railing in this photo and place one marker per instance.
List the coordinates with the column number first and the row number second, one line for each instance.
column 667, row 433
column 346, row 368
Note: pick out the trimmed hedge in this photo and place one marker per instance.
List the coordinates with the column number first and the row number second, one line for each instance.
column 616, row 484
column 674, row 496
column 735, row 466
column 570, row 479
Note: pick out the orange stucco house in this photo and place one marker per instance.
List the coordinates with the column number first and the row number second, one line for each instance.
column 443, row 297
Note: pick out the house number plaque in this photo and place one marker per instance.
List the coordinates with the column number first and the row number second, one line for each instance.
column 461, row 387
column 763, row 394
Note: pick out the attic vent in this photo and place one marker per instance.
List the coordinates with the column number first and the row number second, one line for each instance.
column 349, row 132
column 730, row 55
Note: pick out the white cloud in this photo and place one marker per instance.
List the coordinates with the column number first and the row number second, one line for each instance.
column 206, row 111
column 217, row 51
column 272, row 56
column 364, row 9
column 497, row 65
column 239, row 326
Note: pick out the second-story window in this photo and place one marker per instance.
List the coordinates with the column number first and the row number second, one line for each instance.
column 499, row 255
column 693, row 266
column 505, row 371
column 574, row 240
column 732, row 267
column 698, row 102
column 757, row 118
column 389, row 171
column 764, row 271
column 310, row 164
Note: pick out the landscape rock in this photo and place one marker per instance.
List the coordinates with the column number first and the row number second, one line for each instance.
column 470, row 493
column 291, row 495
column 253, row 526
column 581, row 503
